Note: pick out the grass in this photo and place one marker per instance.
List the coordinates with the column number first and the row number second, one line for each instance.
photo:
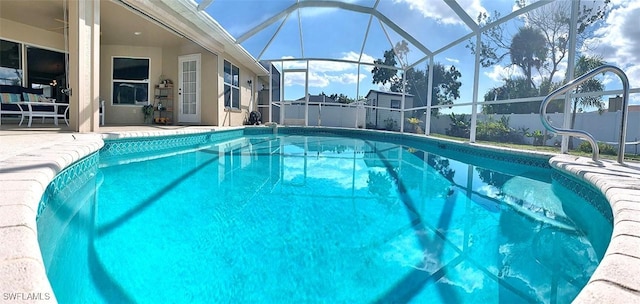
column 545, row 149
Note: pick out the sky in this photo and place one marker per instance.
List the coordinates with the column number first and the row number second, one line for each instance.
column 329, row 32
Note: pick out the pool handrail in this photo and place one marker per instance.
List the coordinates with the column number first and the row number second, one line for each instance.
column 583, row 134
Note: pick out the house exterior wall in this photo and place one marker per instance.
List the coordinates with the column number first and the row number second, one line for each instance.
column 208, row 82
column 170, row 71
column 127, row 114
column 384, row 118
column 163, row 61
column 248, row 95
column 26, row 34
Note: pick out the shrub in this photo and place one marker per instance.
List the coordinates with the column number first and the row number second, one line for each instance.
column 539, row 137
column 605, row 149
column 390, row 124
column 415, row 122
column 499, row 131
column 460, row 126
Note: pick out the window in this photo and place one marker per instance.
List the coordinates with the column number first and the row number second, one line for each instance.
column 130, row 81
column 231, row 86
column 10, row 63
column 46, row 70
column 395, row 104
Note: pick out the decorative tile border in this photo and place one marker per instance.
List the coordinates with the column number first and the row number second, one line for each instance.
column 507, row 156
column 259, row 130
column 501, row 154
column 586, row 191
column 136, row 145
column 67, row 182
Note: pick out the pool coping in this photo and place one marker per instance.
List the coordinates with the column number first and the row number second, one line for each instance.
column 26, row 172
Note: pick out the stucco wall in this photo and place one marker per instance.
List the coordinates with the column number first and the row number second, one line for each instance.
column 248, row 96
column 126, row 114
column 20, row 32
column 208, row 83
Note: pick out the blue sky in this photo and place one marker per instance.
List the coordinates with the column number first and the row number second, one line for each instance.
column 340, row 34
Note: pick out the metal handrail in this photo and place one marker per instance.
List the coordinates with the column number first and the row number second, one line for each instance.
column 583, row 134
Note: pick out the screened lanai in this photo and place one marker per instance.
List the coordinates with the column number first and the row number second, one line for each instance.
column 473, row 69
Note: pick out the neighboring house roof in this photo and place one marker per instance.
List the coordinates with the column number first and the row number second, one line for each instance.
column 386, row 93
column 318, row 98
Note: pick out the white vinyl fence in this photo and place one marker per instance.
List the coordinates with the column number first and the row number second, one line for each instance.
column 328, row 115
column 604, row 127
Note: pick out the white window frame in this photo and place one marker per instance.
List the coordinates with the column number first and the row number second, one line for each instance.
column 229, row 83
column 131, row 81
column 397, row 103
column 21, row 67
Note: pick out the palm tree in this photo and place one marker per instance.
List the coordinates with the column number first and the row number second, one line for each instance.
column 584, row 65
column 528, row 50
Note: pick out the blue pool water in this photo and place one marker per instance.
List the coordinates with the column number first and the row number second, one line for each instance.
column 318, row 219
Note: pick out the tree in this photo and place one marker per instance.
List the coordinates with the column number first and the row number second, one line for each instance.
column 528, row 51
column 381, row 74
column 341, row 98
column 514, row 88
column 494, row 45
column 446, row 86
column 584, row 65
column 552, row 20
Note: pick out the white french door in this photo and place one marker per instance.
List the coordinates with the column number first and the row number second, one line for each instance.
column 189, row 88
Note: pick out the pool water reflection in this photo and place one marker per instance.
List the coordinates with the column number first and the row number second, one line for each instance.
column 291, row 218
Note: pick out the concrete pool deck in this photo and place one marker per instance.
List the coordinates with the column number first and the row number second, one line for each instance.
column 31, row 158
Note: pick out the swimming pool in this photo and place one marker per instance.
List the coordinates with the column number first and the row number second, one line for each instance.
column 318, row 218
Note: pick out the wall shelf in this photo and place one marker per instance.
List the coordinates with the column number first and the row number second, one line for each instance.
column 163, row 105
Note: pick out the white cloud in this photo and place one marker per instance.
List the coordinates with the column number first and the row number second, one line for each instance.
column 315, row 80
column 322, row 80
column 441, row 12
column 633, row 72
column 617, row 40
column 324, row 73
column 355, row 56
column 330, row 66
column 498, row 72
column 452, row 60
column 561, row 72
column 471, row 279
column 312, row 12
column 348, row 78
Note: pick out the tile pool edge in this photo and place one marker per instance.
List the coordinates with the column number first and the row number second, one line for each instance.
column 23, row 180
column 616, row 278
column 25, row 177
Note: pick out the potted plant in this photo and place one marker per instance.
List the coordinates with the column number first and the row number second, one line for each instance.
column 147, row 110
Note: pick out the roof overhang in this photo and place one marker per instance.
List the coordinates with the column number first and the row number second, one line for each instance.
column 184, row 18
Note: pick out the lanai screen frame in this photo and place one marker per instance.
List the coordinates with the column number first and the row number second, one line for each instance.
column 372, row 11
